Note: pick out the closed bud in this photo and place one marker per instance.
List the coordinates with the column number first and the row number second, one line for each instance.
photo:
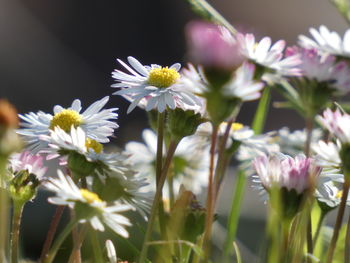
column 23, row 186
column 183, row 123
column 79, row 165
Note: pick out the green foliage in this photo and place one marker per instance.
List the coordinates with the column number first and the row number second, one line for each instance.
column 343, row 7
column 206, row 11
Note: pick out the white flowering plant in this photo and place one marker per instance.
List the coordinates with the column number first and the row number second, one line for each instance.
column 172, row 180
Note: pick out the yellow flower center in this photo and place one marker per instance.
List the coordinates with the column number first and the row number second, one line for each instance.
column 65, row 119
column 163, row 77
column 94, row 145
column 236, row 126
column 90, row 197
column 339, row 194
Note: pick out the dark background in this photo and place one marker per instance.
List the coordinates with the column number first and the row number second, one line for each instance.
column 54, row 51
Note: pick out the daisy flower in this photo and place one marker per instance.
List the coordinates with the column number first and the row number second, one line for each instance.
column 33, row 163
column 327, row 41
column 213, row 46
column 323, row 68
column 62, row 143
column 267, row 56
column 337, row 123
column 293, row 142
column 241, row 85
column 190, row 161
column 328, row 158
column 285, row 172
column 70, row 194
column 159, row 87
column 329, row 195
column 95, row 121
column 130, row 188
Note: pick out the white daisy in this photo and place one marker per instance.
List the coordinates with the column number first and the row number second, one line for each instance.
column 95, row 122
column 190, row 161
column 329, row 194
column 270, row 57
column 62, row 143
column 337, row 123
column 33, row 163
column 242, row 84
column 327, row 156
column 69, row 194
column 159, row 87
column 131, row 189
column 238, row 132
column 323, row 68
column 285, row 172
column 293, row 142
column 327, row 41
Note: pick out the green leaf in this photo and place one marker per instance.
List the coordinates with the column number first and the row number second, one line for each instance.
column 261, row 112
column 343, row 7
column 206, row 11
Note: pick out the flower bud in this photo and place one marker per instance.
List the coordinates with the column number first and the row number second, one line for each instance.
column 78, row 164
column 23, row 186
column 183, row 123
column 213, row 47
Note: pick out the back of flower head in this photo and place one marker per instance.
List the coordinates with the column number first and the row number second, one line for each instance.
column 290, row 180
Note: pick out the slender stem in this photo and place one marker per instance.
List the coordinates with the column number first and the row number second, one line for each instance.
column 16, row 222
column 211, row 196
column 51, row 233
column 96, row 246
column 220, row 167
column 338, row 221
column 160, row 140
column 58, row 242
column 309, row 126
column 347, row 243
column 76, row 244
column 156, row 200
column 233, row 218
column 4, row 211
column 159, row 162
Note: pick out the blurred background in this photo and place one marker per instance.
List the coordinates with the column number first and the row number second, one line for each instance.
column 52, row 52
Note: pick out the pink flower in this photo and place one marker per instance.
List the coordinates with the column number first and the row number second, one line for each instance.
column 285, row 171
column 33, row 163
column 213, row 46
column 337, row 123
column 323, row 68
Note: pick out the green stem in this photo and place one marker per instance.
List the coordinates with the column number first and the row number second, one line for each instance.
column 347, row 243
column 58, row 242
column 338, row 221
column 211, row 196
column 261, row 112
column 77, row 246
column 98, row 255
column 233, row 218
column 4, row 211
column 159, row 162
column 157, row 200
column 16, row 222
column 160, row 140
column 309, row 123
column 51, row 233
